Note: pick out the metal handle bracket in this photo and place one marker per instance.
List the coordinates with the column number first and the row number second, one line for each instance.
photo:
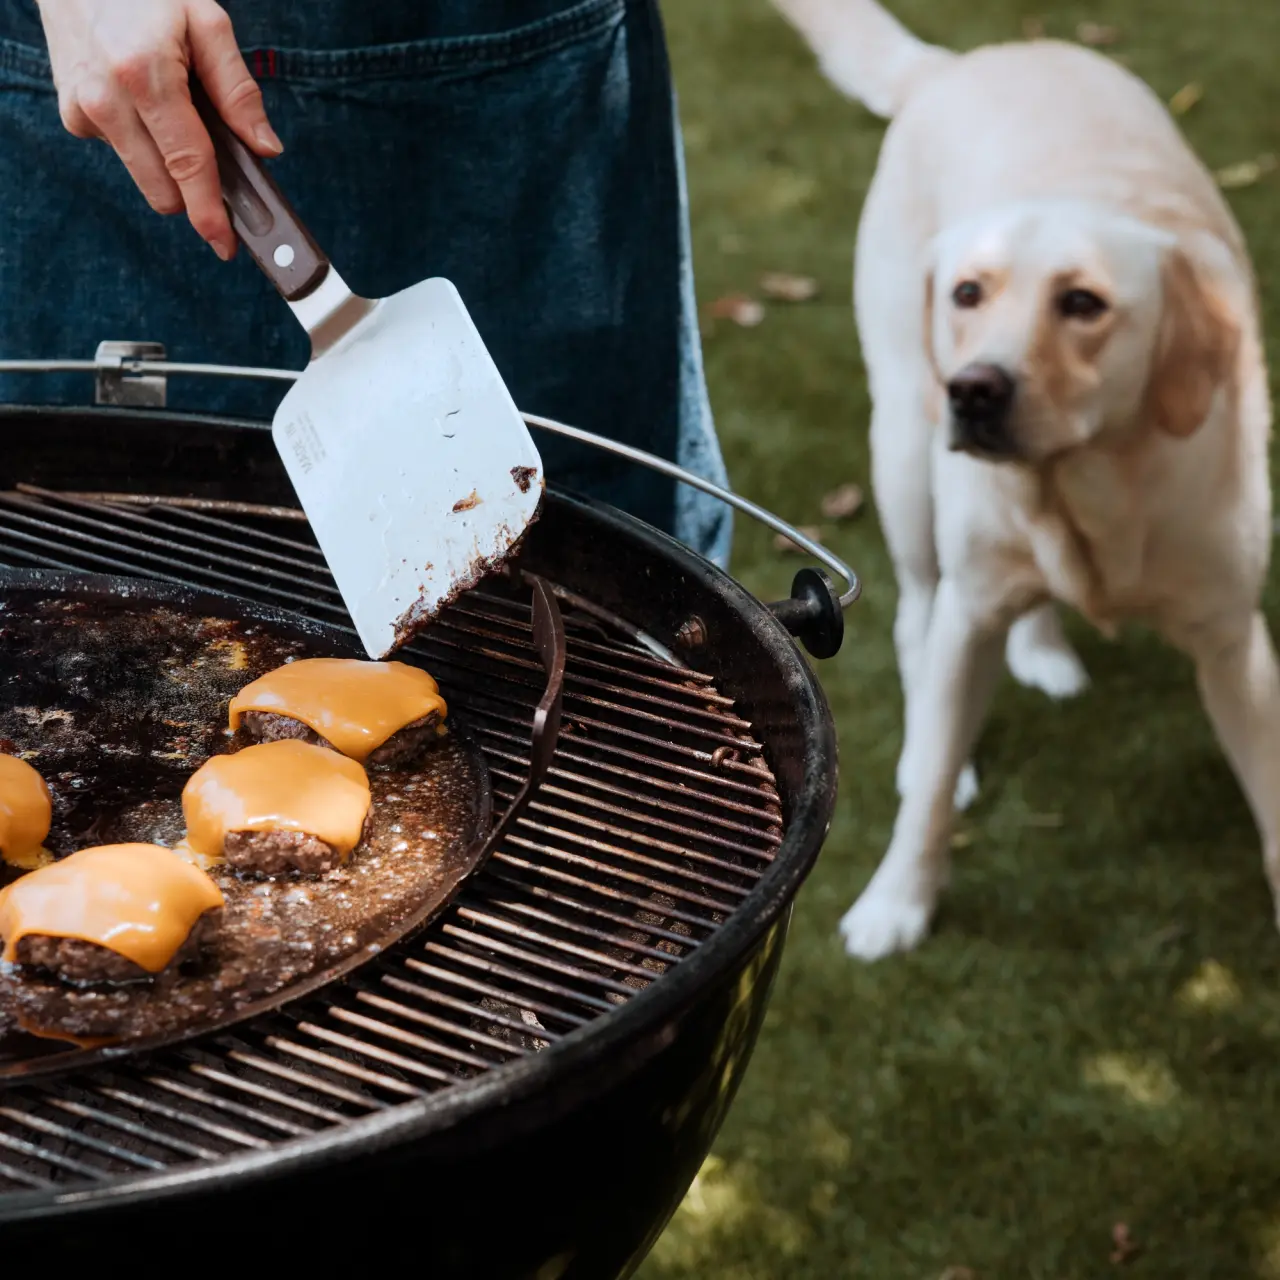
column 119, row 377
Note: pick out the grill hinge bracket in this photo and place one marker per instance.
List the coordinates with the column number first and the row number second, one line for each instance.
column 121, row 377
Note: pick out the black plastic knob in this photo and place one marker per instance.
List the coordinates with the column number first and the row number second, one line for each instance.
column 813, row 614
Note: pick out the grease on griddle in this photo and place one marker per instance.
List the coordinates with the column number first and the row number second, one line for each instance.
column 146, row 693
column 133, row 701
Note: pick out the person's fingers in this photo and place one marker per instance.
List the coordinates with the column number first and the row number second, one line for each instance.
column 101, row 110
column 222, row 71
column 74, row 120
column 165, row 107
column 135, row 146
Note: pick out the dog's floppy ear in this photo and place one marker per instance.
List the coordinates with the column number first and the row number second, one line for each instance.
column 1196, row 347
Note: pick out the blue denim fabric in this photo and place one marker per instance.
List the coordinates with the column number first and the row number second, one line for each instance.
column 528, row 150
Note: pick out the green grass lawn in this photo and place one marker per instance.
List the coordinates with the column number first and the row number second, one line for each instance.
column 1093, row 1034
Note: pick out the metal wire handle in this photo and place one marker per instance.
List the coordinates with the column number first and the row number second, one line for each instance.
column 139, row 366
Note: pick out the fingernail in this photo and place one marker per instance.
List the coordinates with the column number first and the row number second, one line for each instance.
column 224, row 249
column 267, row 139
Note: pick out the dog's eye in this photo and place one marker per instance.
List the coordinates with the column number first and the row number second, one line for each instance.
column 1081, row 304
column 967, row 294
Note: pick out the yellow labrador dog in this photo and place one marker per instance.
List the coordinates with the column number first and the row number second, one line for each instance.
column 1059, row 323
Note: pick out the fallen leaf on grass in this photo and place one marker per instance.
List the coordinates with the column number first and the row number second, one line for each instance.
column 842, row 503
column 1125, row 1245
column 788, row 288
column 1246, row 173
column 1096, row 34
column 1042, row 820
column 782, row 543
column 1186, row 98
column 1033, row 28
column 738, row 307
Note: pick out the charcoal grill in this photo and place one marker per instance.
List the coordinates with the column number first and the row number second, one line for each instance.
column 526, row 1089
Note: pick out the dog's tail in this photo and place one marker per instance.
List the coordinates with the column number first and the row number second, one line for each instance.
column 864, row 51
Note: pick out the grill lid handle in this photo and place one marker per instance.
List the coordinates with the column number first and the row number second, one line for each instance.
column 815, row 612
column 810, row 614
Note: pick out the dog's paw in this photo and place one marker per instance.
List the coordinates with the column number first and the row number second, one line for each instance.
column 882, row 922
column 1055, row 670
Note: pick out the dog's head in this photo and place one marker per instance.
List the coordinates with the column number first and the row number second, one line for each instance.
column 1049, row 325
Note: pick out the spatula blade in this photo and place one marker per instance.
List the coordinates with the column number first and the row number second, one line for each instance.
column 411, row 461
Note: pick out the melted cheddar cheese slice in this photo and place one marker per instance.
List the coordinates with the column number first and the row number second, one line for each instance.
column 139, row 900
column 276, row 786
column 354, row 705
column 25, row 812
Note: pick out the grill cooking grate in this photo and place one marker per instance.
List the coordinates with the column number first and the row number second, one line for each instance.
column 656, row 820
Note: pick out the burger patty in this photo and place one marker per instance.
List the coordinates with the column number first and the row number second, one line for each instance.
column 273, row 853
column 402, row 747
column 84, row 963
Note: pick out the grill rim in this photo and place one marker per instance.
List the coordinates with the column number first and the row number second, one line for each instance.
column 636, row 1027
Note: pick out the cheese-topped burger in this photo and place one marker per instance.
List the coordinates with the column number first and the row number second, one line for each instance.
column 25, row 814
column 277, row 807
column 381, row 713
column 113, row 913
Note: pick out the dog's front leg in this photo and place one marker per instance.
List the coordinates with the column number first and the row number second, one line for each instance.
column 1239, row 683
column 962, row 662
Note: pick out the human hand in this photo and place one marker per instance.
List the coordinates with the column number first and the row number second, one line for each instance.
column 122, row 71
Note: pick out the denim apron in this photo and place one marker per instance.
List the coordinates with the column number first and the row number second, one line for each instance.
column 528, row 150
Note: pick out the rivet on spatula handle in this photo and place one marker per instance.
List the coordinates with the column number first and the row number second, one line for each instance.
column 260, row 215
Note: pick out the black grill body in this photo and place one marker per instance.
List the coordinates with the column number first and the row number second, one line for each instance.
column 564, row 1154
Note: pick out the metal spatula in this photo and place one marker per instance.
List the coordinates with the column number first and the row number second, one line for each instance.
column 411, row 461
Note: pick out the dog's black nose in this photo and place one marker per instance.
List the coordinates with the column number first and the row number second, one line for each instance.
column 981, row 396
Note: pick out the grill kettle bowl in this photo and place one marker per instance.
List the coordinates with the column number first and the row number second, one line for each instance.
column 565, row 1162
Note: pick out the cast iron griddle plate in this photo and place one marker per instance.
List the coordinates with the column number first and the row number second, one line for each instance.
column 117, row 691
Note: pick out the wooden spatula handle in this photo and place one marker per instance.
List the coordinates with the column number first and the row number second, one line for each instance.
column 260, row 215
